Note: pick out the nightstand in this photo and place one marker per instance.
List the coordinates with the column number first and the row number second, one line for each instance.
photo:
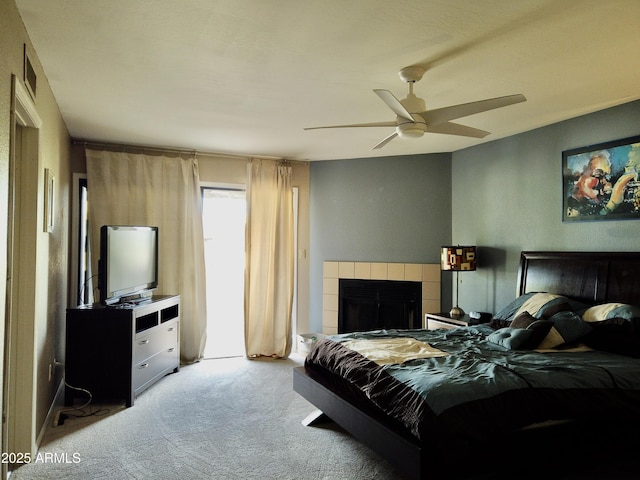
column 443, row 320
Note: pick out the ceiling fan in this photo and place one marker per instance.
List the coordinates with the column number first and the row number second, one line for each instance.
column 413, row 119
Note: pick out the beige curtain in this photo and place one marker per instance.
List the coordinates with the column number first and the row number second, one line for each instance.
column 137, row 189
column 269, row 259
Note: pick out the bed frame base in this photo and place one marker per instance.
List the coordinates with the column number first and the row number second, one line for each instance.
column 317, row 417
column 403, row 453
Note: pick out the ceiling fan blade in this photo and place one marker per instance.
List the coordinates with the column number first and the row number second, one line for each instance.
column 385, row 141
column 442, row 115
column 451, row 128
column 394, row 104
column 374, row 124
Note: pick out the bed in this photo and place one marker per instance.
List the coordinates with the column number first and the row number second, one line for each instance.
column 558, row 364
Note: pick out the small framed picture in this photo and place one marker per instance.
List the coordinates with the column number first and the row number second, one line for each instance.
column 600, row 182
column 29, row 74
column 49, row 185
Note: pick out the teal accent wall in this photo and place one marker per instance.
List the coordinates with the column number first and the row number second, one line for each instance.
column 387, row 209
column 507, row 197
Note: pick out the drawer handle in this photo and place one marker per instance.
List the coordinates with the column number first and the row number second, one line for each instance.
column 171, row 349
column 144, row 365
column 171, row 329
column 143, row 342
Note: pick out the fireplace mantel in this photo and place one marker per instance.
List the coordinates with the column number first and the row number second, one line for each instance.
column 333, row 271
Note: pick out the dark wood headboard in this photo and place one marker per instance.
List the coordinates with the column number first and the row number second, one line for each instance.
column 590, row 277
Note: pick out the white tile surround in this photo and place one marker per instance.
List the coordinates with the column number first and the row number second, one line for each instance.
column 427, row 273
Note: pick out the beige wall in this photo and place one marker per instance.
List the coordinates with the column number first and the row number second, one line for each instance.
column 45, row 264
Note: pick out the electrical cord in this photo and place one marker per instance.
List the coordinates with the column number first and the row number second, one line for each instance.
column 78, row 412
column 82, row 287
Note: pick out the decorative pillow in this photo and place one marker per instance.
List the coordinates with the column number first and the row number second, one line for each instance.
column 567, row 327
column 540, row 329
column 510, row 338
column 523, row 320
column 610, row 310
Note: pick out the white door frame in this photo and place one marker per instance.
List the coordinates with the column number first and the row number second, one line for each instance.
column 19, row 371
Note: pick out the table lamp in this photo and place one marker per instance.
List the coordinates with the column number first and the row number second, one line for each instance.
column 458, row 259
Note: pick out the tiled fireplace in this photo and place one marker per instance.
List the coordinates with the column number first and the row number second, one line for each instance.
column 333, row 271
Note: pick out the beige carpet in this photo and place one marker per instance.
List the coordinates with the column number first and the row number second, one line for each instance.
column 239, row 419
column 217, row 419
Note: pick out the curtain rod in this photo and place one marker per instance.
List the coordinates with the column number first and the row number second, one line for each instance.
column 141, row 148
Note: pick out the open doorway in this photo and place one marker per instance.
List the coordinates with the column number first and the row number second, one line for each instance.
column 223, row 217
column 224, row 214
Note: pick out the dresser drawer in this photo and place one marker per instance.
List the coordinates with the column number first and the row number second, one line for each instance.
column 443, row 320
column 158, row 365
column 156, row 340
column 435, row 324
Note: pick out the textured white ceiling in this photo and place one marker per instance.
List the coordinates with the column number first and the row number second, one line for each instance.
column 245, row 76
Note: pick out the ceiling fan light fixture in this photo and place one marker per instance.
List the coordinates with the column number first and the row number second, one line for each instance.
column 411, row 130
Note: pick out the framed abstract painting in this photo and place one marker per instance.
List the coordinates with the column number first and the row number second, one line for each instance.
column 601, row 182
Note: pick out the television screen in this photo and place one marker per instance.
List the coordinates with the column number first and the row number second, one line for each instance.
column 128, row 261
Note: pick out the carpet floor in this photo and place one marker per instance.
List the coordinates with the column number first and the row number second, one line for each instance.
column 219, row 419
column 236, row 418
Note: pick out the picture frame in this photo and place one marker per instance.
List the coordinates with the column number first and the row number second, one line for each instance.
column 602, row 181
column 29, row 74
column 49, row 188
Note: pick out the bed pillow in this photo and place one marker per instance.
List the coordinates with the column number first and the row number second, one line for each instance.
column 552, row 308
column 510, row 338
column 538, row 304
column 610, row 310
column 567, row 327
column 503, row 317
column 617, row 335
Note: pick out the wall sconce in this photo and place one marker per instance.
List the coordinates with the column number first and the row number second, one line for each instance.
column 458, row 259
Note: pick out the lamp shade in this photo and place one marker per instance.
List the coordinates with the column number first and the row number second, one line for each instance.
column 458, row 258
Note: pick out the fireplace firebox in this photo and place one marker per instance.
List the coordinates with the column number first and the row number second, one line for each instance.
column 378, row 304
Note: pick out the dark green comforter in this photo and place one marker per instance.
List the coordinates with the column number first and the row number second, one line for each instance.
column 482, row 389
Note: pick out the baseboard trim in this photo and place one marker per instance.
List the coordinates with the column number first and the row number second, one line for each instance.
column 58, row 402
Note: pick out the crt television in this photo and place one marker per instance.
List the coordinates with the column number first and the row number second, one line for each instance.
column 128, row 268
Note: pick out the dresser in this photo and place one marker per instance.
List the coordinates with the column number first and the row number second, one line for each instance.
column 117, row 352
